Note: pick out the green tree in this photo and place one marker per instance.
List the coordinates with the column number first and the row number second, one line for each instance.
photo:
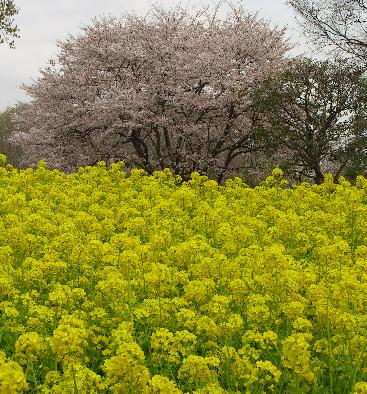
column 12, row 151
column 355, row 162
column 8, row 30
column 315, row 114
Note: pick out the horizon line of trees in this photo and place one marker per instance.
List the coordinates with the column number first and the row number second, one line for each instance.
column 196, row 93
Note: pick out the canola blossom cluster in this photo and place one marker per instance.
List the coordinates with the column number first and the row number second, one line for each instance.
column 120, row 282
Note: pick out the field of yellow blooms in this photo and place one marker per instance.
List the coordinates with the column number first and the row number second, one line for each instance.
column 116, row 282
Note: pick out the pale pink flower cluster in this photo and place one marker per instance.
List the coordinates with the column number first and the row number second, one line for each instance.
column 165, row 90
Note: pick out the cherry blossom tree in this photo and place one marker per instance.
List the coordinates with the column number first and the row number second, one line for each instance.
column 169, row 89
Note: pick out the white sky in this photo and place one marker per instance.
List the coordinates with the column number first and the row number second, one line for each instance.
column 43, row 22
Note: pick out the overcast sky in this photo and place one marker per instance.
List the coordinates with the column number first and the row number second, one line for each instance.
column 43, row 22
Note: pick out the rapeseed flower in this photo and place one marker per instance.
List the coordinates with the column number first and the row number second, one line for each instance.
column 118, row 283
column 12, row 379
column 360, row 388
column 198, row 371
column 161, row 385
column 29, row 347
column 69, row 339
column 297, row 356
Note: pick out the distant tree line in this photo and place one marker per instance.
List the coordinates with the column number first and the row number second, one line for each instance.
column 195, row 93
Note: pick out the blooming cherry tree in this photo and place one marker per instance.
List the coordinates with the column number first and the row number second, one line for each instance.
column 169, row 89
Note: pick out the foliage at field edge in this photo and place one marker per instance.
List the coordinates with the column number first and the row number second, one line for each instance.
column 146, row 284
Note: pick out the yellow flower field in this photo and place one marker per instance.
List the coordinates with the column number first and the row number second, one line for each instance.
column 112, row 283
